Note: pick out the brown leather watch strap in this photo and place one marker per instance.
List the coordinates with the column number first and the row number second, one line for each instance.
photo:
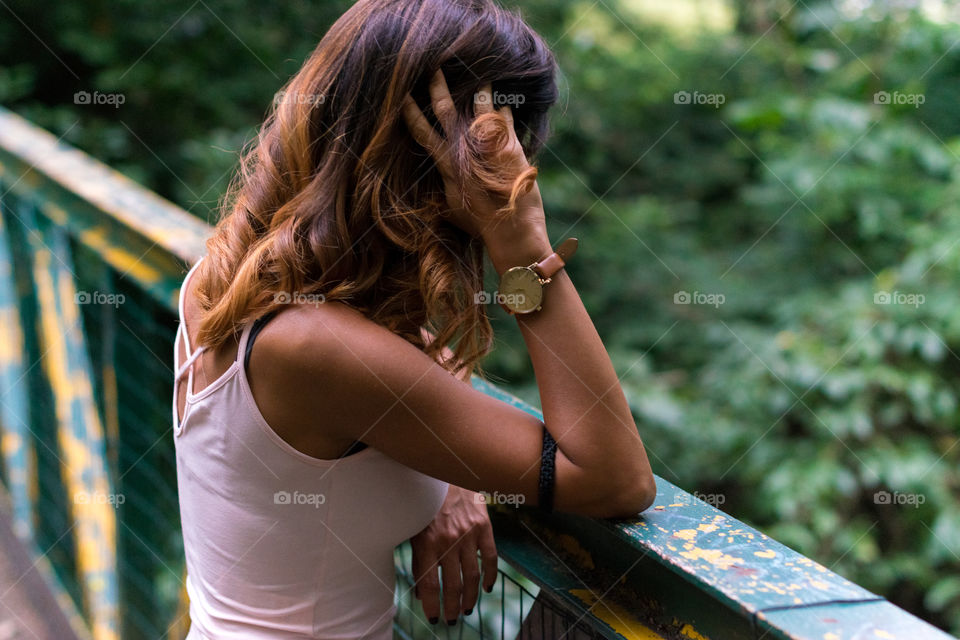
column 547, row 267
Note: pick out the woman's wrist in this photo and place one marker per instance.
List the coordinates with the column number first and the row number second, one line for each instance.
column 516, row 245
column 519, row 252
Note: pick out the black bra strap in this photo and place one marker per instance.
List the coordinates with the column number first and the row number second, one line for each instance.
column 258, row 324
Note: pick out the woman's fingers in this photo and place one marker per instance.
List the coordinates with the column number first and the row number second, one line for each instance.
column 483, row 100
column 425, row 135
column 488, row 555
column 415, row 572
column 507, row 114
column 470, row 569
column 428, row 586
column 452, row 586
column 443, row 106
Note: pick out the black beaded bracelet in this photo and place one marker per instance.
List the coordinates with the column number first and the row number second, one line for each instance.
column 548, row 458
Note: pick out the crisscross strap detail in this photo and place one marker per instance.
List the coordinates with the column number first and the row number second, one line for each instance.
column 182, row 335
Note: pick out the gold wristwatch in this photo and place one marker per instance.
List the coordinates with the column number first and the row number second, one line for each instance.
column 521, row 288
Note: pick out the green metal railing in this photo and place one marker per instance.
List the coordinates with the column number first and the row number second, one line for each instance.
column 90, row 265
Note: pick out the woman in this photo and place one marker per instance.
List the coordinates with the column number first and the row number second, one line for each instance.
column 350, row 254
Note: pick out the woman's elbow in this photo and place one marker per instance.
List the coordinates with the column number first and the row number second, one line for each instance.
column 614, row 490
column 626, row 497
column 633, row 497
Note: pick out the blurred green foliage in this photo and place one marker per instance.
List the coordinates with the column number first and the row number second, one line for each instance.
column 787, row 197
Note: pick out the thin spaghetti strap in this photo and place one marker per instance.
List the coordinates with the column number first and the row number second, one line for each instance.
column 181, row 336
column 183, row 322
column 176, row 365
column 186, row 365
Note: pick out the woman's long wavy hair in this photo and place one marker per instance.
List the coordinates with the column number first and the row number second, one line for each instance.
column 335, row 198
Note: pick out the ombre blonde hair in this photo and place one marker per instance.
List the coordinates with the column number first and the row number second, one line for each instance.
column 335, row 198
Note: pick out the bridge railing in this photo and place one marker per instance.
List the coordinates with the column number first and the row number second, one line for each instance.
column 90, row 266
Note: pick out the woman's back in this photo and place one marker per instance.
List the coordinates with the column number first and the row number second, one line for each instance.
column 280, row 544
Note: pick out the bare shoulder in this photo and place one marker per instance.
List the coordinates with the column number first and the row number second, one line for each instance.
column 332, row 361
column 332, row 335
column 337, row 347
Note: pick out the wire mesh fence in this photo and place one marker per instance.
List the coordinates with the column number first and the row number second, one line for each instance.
column 516, row 609
column 128, row 344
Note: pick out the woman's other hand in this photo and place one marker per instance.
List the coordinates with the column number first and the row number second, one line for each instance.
column 450, row 544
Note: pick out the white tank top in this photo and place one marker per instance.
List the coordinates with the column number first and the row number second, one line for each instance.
column 279, row 544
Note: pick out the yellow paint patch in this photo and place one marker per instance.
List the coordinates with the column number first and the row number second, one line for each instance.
column 714, row 556
column 880, row 633
column 765, row 554
column 11, row 339
column 686, row 534
column 689, row 632
column 619, row 619
column 776, row 588
column 56, row 213
column 830, row 636
column 121, row 259
column 707, row 528
column 11, row 443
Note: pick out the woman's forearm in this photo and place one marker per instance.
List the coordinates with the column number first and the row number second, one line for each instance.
column 584, row 406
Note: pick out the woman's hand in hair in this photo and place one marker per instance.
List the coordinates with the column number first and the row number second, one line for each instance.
column 450, row 544
column 500, row 197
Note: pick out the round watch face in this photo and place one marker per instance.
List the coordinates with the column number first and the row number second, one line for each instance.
column 520, row 290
